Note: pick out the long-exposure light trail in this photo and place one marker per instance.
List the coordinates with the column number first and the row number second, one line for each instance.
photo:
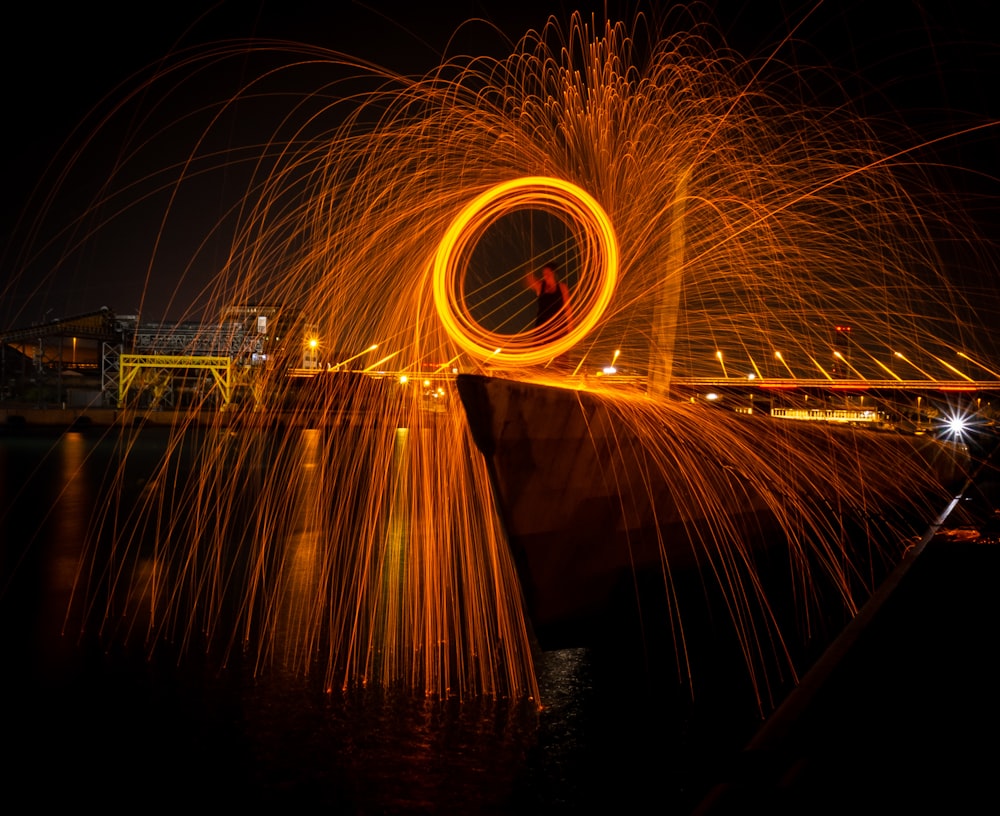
column 594, row 291
column 683, row 189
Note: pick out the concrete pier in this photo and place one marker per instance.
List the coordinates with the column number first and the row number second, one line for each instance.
column 903, row 711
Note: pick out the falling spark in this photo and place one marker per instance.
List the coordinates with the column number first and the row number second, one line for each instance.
column 361, row 542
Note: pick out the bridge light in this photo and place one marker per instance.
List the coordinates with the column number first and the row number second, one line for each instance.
column 718, row 356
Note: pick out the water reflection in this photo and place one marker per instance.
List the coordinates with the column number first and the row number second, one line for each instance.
column 104, row 716
column 383, row 751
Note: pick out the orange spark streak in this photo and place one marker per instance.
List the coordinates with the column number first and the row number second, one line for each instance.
column 590, row 299
column 304, row 524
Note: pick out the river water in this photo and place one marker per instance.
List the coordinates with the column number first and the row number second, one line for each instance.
column 95, row 721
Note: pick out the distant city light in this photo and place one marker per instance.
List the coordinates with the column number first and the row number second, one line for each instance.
column 957, row 425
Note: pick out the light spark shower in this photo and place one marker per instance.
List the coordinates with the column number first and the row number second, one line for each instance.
column 676, row 183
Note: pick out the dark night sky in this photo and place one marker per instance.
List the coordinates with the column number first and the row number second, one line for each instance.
column 937, row 62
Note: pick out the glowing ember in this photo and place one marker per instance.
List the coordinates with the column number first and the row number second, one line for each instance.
column 342, row 523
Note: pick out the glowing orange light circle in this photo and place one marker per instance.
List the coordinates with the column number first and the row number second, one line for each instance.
column 598, row 249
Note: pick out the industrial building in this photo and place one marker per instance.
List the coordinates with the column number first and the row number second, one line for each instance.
column 104, row 360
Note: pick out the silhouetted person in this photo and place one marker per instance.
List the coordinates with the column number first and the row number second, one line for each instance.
column 554, row 314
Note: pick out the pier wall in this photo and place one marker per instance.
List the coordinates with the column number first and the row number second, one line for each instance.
column 20, row 417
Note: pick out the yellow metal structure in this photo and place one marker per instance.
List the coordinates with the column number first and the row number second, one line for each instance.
column 130, row 365
column 250, row 378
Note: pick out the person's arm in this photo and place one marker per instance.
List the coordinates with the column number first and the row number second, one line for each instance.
column 533, row 283
column 567, row 308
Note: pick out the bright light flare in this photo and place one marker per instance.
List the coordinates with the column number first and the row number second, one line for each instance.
column 958, row 424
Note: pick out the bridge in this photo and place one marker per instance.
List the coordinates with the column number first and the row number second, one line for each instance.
column 100, row 325
column 167, row 360
column 824, row 384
